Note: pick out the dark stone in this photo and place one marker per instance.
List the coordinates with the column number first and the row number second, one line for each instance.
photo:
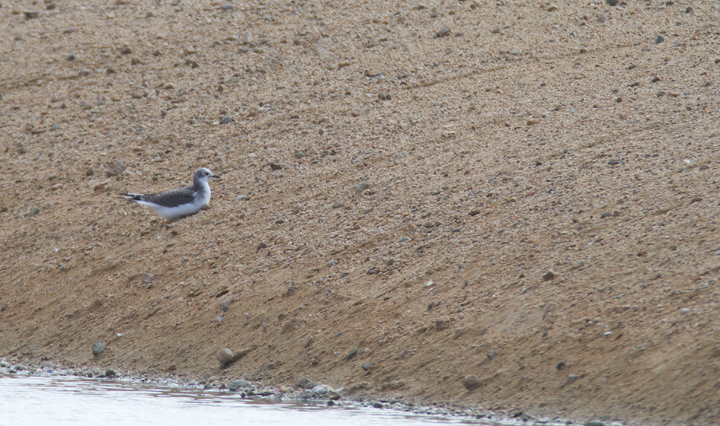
column 98, row 348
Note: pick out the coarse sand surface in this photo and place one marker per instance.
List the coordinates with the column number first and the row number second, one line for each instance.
column 501, row 204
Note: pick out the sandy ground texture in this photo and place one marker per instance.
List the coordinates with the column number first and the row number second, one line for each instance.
column 507, row 204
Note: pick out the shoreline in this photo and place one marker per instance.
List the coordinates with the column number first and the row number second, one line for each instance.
column 321, row 395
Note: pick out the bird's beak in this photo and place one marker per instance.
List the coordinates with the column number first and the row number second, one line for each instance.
column 215, row 176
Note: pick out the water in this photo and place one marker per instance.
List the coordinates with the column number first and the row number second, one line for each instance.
column 59, row 401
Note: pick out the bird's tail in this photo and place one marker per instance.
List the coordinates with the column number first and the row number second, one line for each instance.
column 130, row 196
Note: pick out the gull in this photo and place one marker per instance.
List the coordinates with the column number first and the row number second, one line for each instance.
column 180, row 202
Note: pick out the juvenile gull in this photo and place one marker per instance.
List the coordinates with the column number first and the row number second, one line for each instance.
column 181, row 202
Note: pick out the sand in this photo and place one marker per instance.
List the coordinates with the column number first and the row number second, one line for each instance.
column 500, row 204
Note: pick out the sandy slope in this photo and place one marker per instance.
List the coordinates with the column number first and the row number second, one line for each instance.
column 410, row 172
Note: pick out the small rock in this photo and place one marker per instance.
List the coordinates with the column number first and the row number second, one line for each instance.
column 404, row 240
column 225, row 356
column 148, row 278
column 239, row 383
column 442, row 324
column 443, row 33
column 70, row 57
column 31, row 14
column 97, row 349
column 552, row 8
column 361, row 187
column 276, row 166
column 612, row 2
column 594, row 423
column 110, row 373
column 471, row 382
column 261, row 246
column 549, row 275
column 351, row 354
column 367, row 367
column 321, row 390
column 52, row 177
column 33, row 211
column 571, row 378
column 226, row 120
column 241, row 197
column 115, row 168
column 306, row 383
column 126, row 50
column 475, row 212
column 224, row 305
column 659, row 39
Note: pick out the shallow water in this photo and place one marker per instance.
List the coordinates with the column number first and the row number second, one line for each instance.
column 58, row 401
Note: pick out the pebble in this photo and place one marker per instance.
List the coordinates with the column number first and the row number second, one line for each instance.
column 33, row 211
column 126, row 50
column 110, row 373
column 239, row 383
column 571, row 378
column 70, row 57
column 306, row 383
column 443, row 33
column 320, row 390
column 471, row 382
column 31, row 14
column 241, row 197
column 361, row 187
column 115, row 168
column 98, row 348
column 404, row 240
column 612, row 2
column 549, row 275
column 367, row 367
column 659, row 39
column 225, row 356
column 226, row 120
column 224, row 305
column 52, row 177
column 351, row 354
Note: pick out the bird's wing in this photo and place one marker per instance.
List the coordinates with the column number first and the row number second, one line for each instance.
column 172, row 198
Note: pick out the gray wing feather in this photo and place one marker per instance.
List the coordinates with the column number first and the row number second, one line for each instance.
column 172, row 198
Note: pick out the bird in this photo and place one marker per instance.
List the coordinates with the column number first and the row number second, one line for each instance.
column 181, row 202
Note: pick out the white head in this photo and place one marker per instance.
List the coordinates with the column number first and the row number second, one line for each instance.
column 203, row 175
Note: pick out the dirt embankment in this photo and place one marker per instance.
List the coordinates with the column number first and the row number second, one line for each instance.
column 519, row 191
